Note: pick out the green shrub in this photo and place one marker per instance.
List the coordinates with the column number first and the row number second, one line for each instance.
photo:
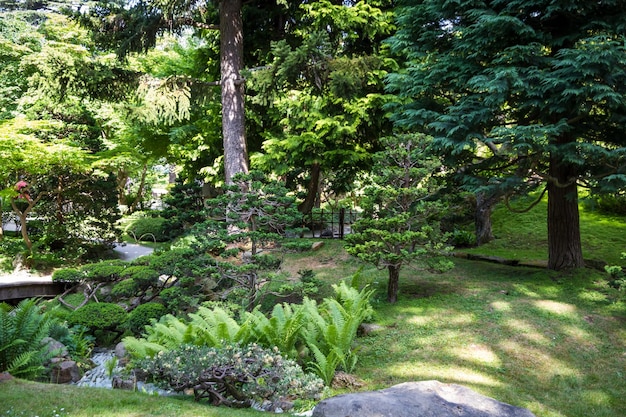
column 297, row 245
column 141, row 316
column 234, row 376
column 136, row 280
column 148, row 228
column 104, row 320
column 68, row 275
column 462, row 239
column 609, row 204
column 105, row 271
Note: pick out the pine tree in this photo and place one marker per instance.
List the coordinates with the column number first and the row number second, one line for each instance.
column 520, row 95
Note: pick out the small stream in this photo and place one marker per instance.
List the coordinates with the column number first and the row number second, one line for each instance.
column 97, row 376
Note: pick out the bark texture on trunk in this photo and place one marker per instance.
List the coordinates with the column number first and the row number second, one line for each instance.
column 233, row 118
column 393, row 284
column 312, row 189
column 482, row 217
column 564, row 244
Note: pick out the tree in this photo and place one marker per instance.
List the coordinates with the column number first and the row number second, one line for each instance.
column 29, row 166
column 136, row 28
column 319, row 100
column 232, row 83
column 400, row 222
column 520, row 95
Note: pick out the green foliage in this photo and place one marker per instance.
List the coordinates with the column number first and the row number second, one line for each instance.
column 400, row 223
column 104, row 320
column 327, row 330
column 183, row 207
column 322, row 89
column 283, row 328
column 136, row 281
column 517, row 102
column 148, row 228
column 232, row 375
column 104, row 271
column 608, row 204
column 68, row 275
column 143, row 315
column 297, row 245
column 216, row 327
column 332, row 328
column 462, row 238
column 22, row 330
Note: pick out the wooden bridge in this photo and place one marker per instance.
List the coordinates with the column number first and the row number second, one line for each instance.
column 12, row 291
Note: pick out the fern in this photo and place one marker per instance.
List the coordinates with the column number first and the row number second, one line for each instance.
column 22, row 330
column 215, row 327
column 283, row 329
column 332, row 328
column 141, row 348
column 324, row 365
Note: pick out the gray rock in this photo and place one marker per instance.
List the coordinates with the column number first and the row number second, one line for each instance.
column 417, row 399
column 65, row 372
column 317, row 246
column 55, row 348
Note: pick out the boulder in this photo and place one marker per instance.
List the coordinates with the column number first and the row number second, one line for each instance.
column 122, row 355
column 54, row 347
column 417, row 399
column 5, row 376
column 317, row 246
column 65, row 372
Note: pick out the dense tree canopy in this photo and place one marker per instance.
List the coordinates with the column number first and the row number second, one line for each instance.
column 520, row 95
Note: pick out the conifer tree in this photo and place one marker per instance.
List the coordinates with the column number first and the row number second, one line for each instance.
column 520, row 95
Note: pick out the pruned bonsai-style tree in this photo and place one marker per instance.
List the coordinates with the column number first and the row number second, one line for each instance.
column 400, row 223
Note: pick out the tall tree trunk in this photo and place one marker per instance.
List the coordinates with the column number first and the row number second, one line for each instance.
column 482, row 217
column 311, row 190
column 564, row 244
column 393, row 284
column 233, row 118
column 23, row 216
column 140, row 191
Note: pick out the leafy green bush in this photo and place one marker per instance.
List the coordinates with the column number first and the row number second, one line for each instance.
column 22, row 330
column 233, row 376
column 104, row 271
column 297, row 245
column 143, row 314
column 327, row 330
column 148, row 228
column 136, row 281
column 68, row 275
column 462, row 238
column 104, row 320
column 609, row 204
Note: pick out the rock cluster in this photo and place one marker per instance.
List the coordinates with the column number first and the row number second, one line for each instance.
column 63, row 370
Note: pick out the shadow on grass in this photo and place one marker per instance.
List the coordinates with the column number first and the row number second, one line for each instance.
column 515, row 334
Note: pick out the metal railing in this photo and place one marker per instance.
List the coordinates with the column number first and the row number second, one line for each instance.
column 330, row 223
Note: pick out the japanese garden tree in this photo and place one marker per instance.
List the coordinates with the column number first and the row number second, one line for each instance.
column 136, row 29
column 320, row 97
column 401, row 214
column 520, row 95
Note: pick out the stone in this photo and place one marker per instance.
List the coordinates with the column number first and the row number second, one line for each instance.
column 121, row 354
column 367, row 329
column 54, row 347
column 317, row 246
column 417, row 399
column 5, row 376
column 65, row 372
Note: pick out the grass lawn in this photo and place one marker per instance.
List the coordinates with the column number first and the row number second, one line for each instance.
column 554, row 343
